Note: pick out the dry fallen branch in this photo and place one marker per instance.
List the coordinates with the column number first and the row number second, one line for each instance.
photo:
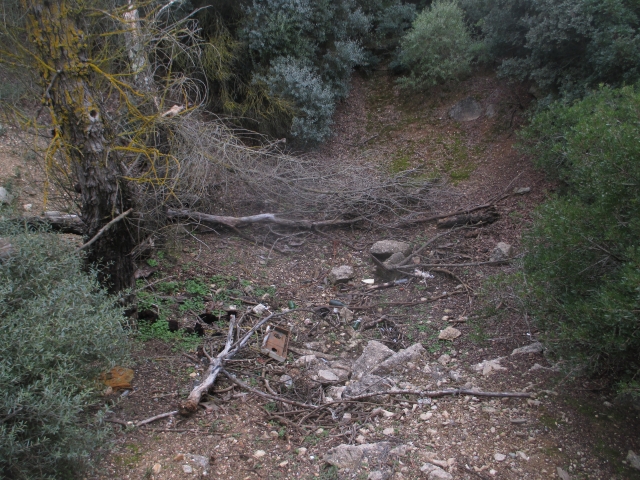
column 104, row 229
column 216, row 364
column 238, row 222
column 141, row 422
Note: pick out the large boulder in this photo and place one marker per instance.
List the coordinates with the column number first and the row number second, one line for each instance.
column 434, row 472
column 373, row 355
column 466, row 110
column 399, row 360
column 353, row 456
column 366, row 385
column 383, row 249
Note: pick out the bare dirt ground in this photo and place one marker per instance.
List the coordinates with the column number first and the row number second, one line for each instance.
column 569, row 424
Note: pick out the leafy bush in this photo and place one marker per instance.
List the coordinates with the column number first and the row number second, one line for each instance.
column 567, row 47
column 58, row 331
column 583, row 260
column 299, row 82
column 438, row 48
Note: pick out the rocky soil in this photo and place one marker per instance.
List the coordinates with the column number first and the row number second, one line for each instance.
column 434, row 331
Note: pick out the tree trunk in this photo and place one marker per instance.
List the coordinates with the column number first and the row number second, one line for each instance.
column 78, row 127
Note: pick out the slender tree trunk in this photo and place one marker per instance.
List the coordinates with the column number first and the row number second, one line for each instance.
column 78, row 121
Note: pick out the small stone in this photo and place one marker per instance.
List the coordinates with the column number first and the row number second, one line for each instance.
column 283, row 464
column 320, row 431
column 426, row 416
column 487, row 367
column 522, row 455
column 302, row 451
column 521, row 190
column 532, row 348
column 607, row 404
column 383, row 249
column 449, row 333
column 287, row 380
column 327, row 376
column 156, row 469
column 633, row 459
column 389, row 431
column 492, row 472
column 341, row 274
column 378, row 475
column 563, row 474
column 346, row 417
column 5, row 196
column 187, row 469
column 533, row 403
column 259, row 453
column 502, row 251
column 27, row 207
column 434, row 472
column 444, row 359
column 273, row 434
column 360, row 439
column 178, row 458
column 499, row 457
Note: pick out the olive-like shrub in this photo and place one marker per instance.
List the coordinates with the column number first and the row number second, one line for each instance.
column 58, row 331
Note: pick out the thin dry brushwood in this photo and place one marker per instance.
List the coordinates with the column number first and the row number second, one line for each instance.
column 219, row 172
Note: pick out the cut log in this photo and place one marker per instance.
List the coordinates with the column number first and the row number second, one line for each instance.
column 480, row 218
column 60, row 222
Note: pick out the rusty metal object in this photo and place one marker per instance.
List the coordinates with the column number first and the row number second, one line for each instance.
column 276, row 343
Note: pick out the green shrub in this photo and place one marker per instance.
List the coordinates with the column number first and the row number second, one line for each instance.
column 438, row 48
column 299, row 82
column 58, row 331
column 583, row 260
column 566, row 47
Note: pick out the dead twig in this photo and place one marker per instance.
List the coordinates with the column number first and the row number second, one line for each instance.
column 104, row 229
column 260, row 393
column 435, row 394
column 141, row 422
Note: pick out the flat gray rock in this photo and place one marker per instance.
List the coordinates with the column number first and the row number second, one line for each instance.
column 634, row 460
column 502, row 251
column 399, row 360
column 367, row 384
column 352, row 456
column 341, row 274
column 435, row 473
column 466, row 110
column 373, row 355
column 385, row 248
column 5, row 196
column 327, row 376
column 533, row 348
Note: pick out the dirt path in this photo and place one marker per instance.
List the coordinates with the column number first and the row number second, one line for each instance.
column 570, row 425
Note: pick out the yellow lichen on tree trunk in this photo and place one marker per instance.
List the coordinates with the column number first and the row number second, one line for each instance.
column 61, row 53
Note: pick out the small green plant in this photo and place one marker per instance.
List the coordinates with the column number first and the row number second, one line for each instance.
column 152, row 262
column 192, row 305
column 159, row 330
column 196, row 287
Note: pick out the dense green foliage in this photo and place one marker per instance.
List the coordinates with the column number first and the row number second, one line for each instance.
column 438, row 48
column 58, row 331
column 566, row 47
column 281, row 66
column 583, row 260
